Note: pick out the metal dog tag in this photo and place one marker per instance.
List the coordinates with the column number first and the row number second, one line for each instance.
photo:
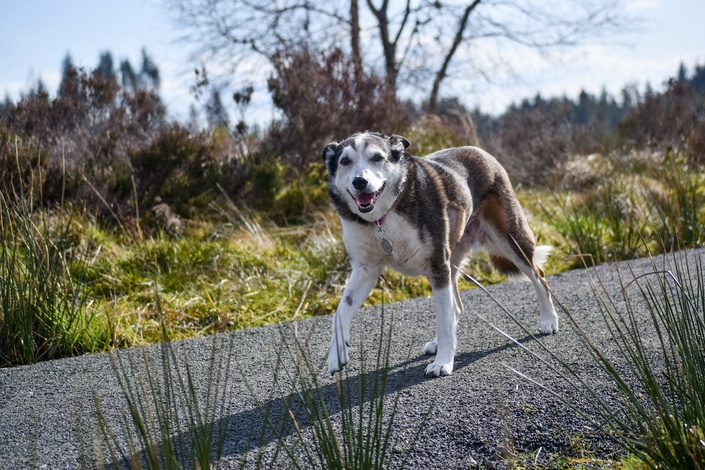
column 387, row 246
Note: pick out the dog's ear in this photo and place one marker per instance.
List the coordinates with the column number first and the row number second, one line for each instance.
column 328, row 154
column 398, row 144
column 396, row 140
column 329, row 151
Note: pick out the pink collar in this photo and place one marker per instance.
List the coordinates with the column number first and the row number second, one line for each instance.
column 381, row 220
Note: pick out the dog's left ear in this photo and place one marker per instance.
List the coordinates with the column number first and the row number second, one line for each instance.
column 398, row 144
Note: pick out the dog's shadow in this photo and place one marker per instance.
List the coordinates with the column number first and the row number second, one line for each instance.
column 398, row 377
column 272, row 421
column 413, row 369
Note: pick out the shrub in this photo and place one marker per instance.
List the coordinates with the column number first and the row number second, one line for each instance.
column 85, row 133
column 322, row 101
column 533, row 140
column 669, row 120
column 432, row 132
column 176, row 168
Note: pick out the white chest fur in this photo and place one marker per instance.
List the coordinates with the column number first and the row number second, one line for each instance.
column 410, row 256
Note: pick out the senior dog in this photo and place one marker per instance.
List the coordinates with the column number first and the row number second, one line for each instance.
column 423, row 216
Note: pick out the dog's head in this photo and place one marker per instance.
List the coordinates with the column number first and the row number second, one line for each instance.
column 366, row 172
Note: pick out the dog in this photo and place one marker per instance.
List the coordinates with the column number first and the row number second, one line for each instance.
column 423, row 216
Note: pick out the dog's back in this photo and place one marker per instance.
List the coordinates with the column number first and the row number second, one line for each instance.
column 468, row 191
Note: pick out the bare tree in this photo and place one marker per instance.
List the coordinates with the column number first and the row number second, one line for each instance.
column 356, row 53
column 482, row 39
column 237, row 34
column 421, row 44
column 457, row 40
column 389, row 42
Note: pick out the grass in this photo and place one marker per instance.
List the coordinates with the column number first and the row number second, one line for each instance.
column 217, row 277
column 177, row 416
column 664, row 423
column 660, row 415
column 360, row 437
column 228, row 281
column 580, row 456
column 45, row 309
column 628, row 214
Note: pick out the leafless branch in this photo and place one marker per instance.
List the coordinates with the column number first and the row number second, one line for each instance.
column 421, row 42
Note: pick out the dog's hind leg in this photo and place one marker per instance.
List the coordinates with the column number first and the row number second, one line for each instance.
column 513, row 250
column 359, row 285
column 548, row 320
column 461, row 246
column 525, row 258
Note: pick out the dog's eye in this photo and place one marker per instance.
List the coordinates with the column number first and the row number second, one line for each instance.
column 345, row 161
column 377, row 158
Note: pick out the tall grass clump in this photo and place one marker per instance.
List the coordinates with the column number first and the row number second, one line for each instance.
column 663, row 417
column 656, row 363
column 609, row 224
column 361, row 436
column 682, row 213
column 44, row 308
column 177, row 413
column 640, row 205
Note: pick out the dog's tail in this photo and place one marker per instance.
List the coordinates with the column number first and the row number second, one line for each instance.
column 512, row 271
column 541, row 254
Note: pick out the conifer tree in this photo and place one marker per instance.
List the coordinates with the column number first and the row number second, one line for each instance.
column 106, row 66
column 128, row 76
column 68, row 78
column 149, row 74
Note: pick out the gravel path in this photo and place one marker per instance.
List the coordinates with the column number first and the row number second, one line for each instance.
column 48, row 415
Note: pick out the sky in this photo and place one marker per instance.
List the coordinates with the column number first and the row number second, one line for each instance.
column 36, row 35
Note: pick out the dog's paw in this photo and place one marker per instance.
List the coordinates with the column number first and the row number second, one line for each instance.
column 431, row 347
column 337, row 357
column 435, row 369
column 548, row 326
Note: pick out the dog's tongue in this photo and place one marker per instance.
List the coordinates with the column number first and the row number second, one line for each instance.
column 365, row 198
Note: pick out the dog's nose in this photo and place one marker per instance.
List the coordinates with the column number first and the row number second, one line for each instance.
column 359, row 183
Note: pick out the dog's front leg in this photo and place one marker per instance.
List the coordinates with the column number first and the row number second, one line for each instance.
column 358, row 287
column 445, row 332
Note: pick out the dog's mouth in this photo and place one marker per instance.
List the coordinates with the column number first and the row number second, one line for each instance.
column 366, row 200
